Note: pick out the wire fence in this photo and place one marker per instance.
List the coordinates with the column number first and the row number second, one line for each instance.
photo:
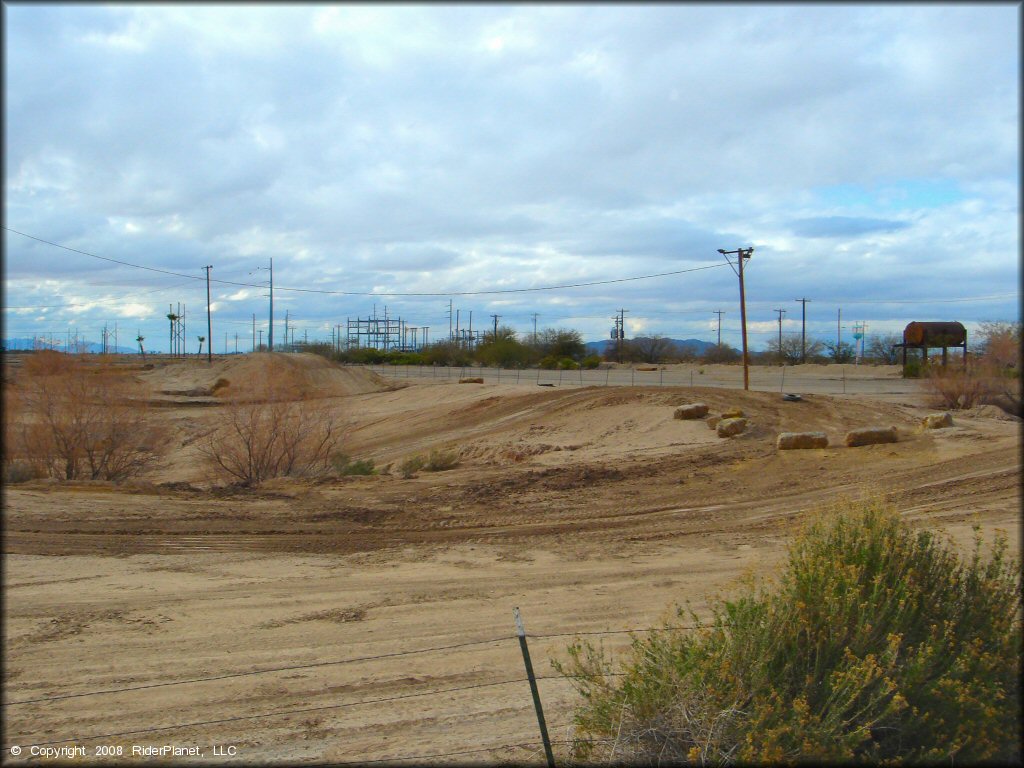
column 15, row 747
column 824, row 380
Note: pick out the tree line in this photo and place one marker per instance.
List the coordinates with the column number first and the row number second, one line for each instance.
column 564, row 348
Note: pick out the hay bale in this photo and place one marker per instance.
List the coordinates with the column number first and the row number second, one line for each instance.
column 712, row 421
column 795, row 440
column 472, row 380
column 730, row 427
column 733, row 413
column 870, row 436
column 937, row 420
column 691, row 411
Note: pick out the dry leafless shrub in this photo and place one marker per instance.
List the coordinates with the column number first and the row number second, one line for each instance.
column 959, row 386
column 256, row 439
column 72, row 420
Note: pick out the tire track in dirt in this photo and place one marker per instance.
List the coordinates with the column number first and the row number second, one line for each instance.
column 911, row 487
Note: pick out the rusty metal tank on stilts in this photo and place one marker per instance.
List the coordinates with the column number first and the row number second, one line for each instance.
column 925, row 336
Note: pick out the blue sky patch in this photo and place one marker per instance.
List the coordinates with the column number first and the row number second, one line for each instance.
column 844, row 226
column 909, row 194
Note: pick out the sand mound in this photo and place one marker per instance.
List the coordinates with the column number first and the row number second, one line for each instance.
column 300, row 376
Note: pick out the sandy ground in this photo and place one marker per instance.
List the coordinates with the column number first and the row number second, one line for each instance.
column 589, row 508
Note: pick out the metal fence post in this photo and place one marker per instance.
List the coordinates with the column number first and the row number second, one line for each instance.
column 521, row 631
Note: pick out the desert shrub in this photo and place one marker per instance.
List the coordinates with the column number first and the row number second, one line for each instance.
column 405, row 358
column 590, row 362
column 506, row 352
column 365, row 356
column 959, row 386
column 49, row 363
column 448, row 353
column 72, row 420
column 411, row 466
column 560, row 342
column 568, row 364
column 346, row 466
column 321, row 348
column 912, row 370
column 1001, row 344
column 721, row 354
column 20, row 471
column 272, row 436
column 877, row 644
column 439, row 461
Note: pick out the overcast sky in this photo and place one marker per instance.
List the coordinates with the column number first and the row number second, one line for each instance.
column 868, row 153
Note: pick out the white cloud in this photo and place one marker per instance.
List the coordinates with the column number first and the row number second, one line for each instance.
column 433, row 148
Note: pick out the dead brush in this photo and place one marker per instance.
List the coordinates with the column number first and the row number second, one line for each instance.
column 263, row 434
column 960, row 386
column 71, row 420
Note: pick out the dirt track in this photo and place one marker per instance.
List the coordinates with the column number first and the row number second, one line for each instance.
column 589, row 508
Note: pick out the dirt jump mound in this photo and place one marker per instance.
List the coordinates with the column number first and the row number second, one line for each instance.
column 299, row 376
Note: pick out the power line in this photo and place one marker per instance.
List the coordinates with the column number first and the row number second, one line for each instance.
column 844, row 302
column 97, row 301
column 383, row 293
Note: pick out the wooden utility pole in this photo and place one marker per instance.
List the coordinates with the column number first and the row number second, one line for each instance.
column 622, row 330
column 209, row 320
column 495, row 326
column 803, row 330
column 719, row 313
column 742, row 254
column 781, row 313
column 839, row 333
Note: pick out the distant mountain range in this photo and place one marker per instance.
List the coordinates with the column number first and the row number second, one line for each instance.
column 699, row 347
column 89, row 347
